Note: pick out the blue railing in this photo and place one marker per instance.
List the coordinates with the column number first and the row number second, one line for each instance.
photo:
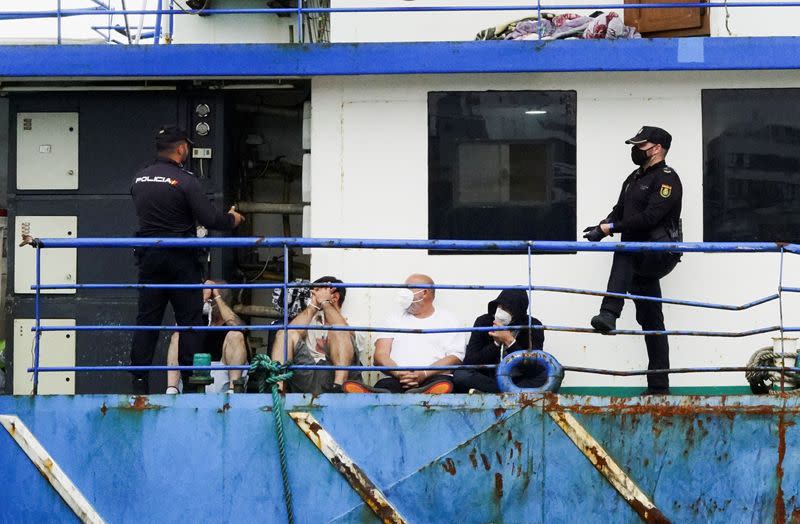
column 106, row 8
column 528, row 248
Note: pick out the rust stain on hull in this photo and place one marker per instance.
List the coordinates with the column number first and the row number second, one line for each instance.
column 449, row 466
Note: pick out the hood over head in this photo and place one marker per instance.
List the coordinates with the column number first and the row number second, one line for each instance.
column 515, row 301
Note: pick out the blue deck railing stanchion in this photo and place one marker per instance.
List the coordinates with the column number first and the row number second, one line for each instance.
column 37, row 319
column 285, row 305
column 527, row 247
column 780, row 314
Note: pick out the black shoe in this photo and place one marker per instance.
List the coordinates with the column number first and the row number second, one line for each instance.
column 140, row 386
column 604, row 322
column 656, row 391
column 333, row 387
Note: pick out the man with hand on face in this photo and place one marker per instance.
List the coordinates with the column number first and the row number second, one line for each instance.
column 416, row 311
column 510, row 308
column 319, row 347
column 170, row 202
column 648, row 210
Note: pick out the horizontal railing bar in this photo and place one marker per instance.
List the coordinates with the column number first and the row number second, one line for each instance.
column 368, row 329
column 717, row 369
column 386, row 9
column 247, row 367
column 544, row 246
column 547, row 289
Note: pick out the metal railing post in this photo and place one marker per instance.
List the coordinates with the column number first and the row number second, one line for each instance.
column 530, row 299
column 300, row 36
column 285, row 304
column 58, row 22
column 157, row 34
column 37, row 319
column 780, row 313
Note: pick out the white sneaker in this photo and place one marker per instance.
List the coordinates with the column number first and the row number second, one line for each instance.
column 172, row 390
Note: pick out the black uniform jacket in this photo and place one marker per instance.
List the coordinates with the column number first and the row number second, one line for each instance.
column 170, row 202
column 650, row 200
column 481, row 348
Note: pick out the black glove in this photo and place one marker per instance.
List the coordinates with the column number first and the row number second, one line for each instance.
column 594, row 234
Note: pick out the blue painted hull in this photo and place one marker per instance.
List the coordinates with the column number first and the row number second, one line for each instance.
column 477, row 458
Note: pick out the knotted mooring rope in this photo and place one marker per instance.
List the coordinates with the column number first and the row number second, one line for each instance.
column 761, row 381
column 274, row 372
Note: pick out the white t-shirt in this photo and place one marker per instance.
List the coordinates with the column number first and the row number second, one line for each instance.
column 411, row 349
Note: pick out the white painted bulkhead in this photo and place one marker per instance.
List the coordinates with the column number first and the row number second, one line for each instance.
column 370, row 178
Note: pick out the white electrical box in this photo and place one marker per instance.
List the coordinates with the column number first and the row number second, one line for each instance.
column 307, row 125
column 47, row 151
column 59, row 266
column 306, row 182
column 201, row 152
column 56, row 349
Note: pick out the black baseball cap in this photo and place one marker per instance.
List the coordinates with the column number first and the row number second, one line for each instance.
column 656, row 135
column 171, row 134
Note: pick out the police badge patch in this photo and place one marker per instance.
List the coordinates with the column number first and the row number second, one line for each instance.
column 666, row 190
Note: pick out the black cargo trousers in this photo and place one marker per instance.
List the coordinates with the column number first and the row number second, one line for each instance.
column 639, row 274
column 168, row 266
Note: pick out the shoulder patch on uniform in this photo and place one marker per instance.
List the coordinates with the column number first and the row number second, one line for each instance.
column 666, row 190
column 668, row 170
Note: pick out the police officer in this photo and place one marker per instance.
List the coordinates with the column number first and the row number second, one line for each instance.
column 648, row 210
column 170, row 202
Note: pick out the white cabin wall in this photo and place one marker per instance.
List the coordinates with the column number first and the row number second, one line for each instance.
column 370, row 179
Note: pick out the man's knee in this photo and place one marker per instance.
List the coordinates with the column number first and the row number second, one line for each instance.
column 650, row 318
column 235, row 338
column 174, row 338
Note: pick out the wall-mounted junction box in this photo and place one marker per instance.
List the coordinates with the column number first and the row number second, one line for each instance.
column 56, row 348
column 59, row 266
column 47, row 151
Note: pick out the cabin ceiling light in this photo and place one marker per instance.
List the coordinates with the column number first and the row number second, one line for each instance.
column 536, row 112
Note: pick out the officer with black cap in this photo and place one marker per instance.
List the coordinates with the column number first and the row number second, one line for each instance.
column 170, row 202
column 648, row 210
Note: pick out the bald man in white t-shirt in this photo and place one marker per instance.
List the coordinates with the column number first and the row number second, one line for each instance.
column 417, row 311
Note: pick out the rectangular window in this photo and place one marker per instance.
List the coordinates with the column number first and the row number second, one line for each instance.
column 751, row 175
column 501, row 165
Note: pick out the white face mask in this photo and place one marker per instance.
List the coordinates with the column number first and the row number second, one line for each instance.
column 502, row 317
column 405, row 298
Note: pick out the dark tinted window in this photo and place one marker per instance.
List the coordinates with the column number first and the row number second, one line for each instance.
column 751, row 175
column 501, row 165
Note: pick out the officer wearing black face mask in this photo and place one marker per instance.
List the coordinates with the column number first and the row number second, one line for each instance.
column 648, row 210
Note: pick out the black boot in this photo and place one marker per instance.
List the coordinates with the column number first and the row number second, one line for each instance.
column 604, row 322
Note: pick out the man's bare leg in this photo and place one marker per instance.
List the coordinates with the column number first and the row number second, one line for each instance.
column 173, row 377
column 234, row 353
column 341, row 355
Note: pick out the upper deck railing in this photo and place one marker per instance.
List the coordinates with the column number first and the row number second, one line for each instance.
column 529, row 248
column 162, row 29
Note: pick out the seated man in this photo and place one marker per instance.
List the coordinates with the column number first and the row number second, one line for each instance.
column 411, row 349
column 227, row 347
column 319, row 346
column 510, row 308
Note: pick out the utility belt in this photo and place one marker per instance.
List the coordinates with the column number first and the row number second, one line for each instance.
column 658, row 264
column 139, row 252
